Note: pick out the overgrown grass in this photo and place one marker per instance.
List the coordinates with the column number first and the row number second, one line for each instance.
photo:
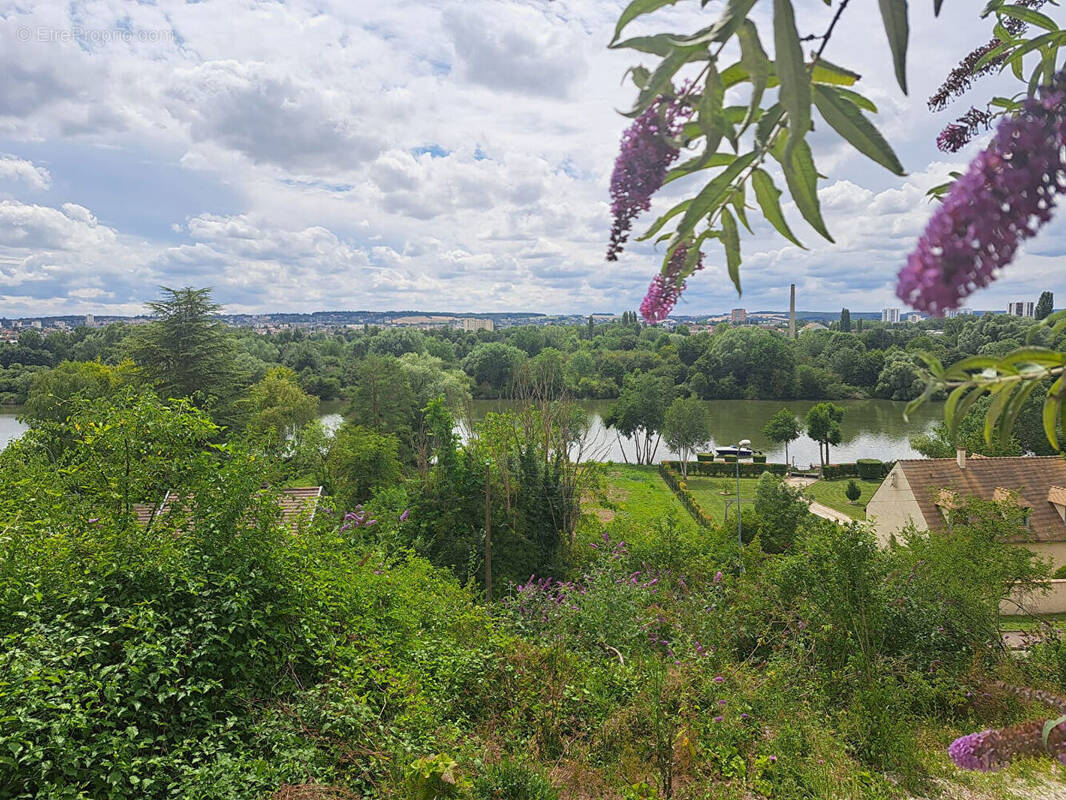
column 712, row 493
column 831, row 493
column 636, row 494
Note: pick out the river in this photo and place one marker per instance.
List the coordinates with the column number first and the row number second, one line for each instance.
column 871, row 428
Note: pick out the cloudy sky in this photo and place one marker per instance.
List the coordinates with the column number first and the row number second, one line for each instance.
column 448, row 155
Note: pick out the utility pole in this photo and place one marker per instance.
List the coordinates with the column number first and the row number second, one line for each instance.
column 488, row 537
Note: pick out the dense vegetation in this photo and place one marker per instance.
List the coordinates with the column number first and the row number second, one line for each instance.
column 626, row 652
column 590, row 361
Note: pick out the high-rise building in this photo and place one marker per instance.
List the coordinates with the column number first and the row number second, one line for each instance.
column 738, row 316
column 90, row 320
column 890, row 315
column 1021, row 308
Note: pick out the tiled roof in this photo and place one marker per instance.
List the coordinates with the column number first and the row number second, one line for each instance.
column 1057, row 495
column 297, row 506
column 1030, row 480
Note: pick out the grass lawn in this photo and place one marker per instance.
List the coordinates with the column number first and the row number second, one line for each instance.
column 1019, row 622
column 637, row 493
column 831, row 493
column 708, row 493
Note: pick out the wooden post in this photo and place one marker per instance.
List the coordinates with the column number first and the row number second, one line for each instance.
column 488, row 538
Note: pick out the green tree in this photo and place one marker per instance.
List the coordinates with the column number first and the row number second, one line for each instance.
column 494, row 367
column 51, row 392
column 187, row 352
column 845, row 320
column 823, row 425
column 277, row 406
column 782, row 428
column 852, row 491
column 1045, row 305
column 899, row 378
column 359, row 461
column 382, row 398
column 781, row 509
column 639, row 413
column 685, row 428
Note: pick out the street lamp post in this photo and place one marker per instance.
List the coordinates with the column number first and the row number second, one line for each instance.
column 740, row 446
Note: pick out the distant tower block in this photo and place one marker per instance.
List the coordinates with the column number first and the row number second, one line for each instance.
column 792, row 312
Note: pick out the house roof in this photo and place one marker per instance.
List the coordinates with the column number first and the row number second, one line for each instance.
column 297, row 506
column 1035, row 483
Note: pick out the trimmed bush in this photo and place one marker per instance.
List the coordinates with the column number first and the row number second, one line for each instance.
column 705, row 458
column 730, row 459
column 870, row 469
column 758, row 458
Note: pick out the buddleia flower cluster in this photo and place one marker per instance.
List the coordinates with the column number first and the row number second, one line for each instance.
column 639, row 171
column 959, row 133
column 994, row 749
column 666, row 287
column 1006, row 196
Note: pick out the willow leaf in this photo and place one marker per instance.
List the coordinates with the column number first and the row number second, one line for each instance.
column 731, row 241
column 894, row 17
column 769, row 199
column 847, row 119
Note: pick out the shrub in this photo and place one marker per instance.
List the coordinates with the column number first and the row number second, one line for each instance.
column 1060, row 573
column 870, row 469
column 852, row 491
column 512, row 780
column 705, row 457
column 758, row 458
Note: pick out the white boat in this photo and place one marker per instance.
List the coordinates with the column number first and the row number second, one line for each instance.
column 743, row 452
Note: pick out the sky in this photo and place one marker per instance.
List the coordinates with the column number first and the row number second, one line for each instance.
column 445, row 155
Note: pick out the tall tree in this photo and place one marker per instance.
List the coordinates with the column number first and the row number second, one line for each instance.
column 845, row 320
column 187, row 352
column 278, row 406
column 639, row 412
column 823, row 425
column 685, row 428
column 1045, row 305
column 782, row 428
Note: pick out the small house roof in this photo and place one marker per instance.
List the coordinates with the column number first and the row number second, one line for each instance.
column 938, row 481
column 297, row 505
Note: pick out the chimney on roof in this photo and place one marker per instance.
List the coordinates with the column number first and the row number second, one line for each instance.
column 960, row 457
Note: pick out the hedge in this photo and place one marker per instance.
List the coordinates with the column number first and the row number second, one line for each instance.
column 705, row 458
column 677, row 485
column 870, row 469
column 867, row 469
column 718, row 469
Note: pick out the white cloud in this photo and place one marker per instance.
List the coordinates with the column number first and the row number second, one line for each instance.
column 26, row 172
column 446, row 154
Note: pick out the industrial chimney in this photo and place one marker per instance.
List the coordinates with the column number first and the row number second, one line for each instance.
column 792, row 312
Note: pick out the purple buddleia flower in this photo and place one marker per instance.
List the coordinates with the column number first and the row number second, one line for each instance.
column 993, row 749
column 666, row 287
column 403, row 516
column 644, row 157
column 1007, row 194
column 959, row 133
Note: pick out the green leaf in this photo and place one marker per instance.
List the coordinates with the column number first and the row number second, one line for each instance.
column 1000, row 395
column 754, row 59
column 711, row 197
column 767, row 124
column 659, row 45
column 731, row 241
column 828, row 72
column 640, row 75
column 1029, row 16
column 738, row 201
column 662, row 78
column 1017, row 403
column 854, row 97
column 847, row 119
column 894, row 16
column 635, row 9
column 769, row 199
column 1052, row 404
column 795, row 94
column 936, row 7
column 802, row 180
column 993, row 54
column 658, row 224
column 734, row 15
column 696, row 163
